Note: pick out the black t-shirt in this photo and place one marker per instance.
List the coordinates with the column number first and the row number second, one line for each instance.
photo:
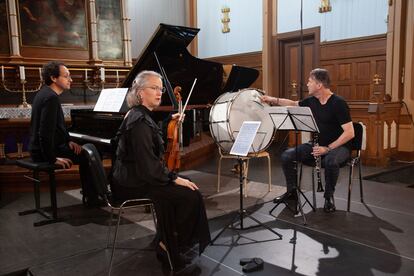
column 329, row 117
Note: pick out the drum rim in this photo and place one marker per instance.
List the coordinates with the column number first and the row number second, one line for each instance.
column 228, row 127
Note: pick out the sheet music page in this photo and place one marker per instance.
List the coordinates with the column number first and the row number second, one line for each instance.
column 279, row 116
column 111, row 100
column 303, row 118
column 287, row 117
column 245, row 138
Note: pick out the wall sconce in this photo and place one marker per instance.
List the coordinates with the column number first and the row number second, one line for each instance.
column 376, row 79
column 325, row 6
column 225, row 20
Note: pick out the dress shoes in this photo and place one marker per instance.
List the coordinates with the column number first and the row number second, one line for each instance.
column 290, row 199
column 288, row 196
column 329, row 205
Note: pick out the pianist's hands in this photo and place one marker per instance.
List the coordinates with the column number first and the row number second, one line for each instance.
column 65, row 163
column 75, row 147
column 186, row 183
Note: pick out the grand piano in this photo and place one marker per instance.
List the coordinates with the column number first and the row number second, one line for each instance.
column 169, row 43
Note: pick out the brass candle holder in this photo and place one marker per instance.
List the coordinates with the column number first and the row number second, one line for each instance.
column 23, row 90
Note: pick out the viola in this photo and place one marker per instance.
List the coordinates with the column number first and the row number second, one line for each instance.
column 174, row 132
column 172, row 153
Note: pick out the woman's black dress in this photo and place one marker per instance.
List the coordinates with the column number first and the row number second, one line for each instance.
column 139, row 171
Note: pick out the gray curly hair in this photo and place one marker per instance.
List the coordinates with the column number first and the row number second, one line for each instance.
column 133, row 99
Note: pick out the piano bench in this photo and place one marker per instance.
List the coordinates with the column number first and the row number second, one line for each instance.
column 36, row 168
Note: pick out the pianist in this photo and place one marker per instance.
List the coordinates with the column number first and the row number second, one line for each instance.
column 49, row 139
column 139, row 170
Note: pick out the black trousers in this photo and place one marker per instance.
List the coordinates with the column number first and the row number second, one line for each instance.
column 331, row 162
column 65, row 152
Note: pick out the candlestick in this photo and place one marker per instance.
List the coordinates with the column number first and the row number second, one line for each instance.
column 102, row 74
column 86, row 74
column 22, row 73
column 40, row 74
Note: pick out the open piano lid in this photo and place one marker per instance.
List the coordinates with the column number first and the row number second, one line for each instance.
column 170, row 44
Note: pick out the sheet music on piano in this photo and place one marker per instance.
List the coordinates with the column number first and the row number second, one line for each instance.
column 111, row 100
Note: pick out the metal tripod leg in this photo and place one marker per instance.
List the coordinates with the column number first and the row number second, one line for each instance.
column 242, row 212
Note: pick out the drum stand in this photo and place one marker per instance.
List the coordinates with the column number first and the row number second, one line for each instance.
column 243, row 213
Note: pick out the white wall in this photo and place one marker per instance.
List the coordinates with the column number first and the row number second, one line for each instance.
column 246, row 32
column 348, row 18
column 147, row 14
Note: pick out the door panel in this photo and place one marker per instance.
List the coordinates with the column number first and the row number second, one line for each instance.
column 290, row 64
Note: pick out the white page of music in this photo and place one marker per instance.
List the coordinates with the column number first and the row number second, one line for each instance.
column 111, row 100
column 244, row 139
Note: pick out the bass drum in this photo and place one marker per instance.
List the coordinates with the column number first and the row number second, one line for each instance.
column 229, row 112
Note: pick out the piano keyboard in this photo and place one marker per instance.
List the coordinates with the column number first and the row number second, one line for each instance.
column 90, row 138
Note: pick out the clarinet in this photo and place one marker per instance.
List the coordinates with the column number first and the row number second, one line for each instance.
column 317, row 164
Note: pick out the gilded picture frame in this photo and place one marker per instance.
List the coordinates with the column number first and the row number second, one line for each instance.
column 53, row 23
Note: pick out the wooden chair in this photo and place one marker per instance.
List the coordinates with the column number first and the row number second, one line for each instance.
column 263, row 154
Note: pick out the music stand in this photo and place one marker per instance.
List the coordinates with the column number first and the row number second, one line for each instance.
column 241, row 148
column 295, row 118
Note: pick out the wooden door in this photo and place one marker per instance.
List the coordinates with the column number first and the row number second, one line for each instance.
column 292, row 75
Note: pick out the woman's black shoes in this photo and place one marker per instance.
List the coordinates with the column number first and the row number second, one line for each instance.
column 179, row 263
column 162, row 256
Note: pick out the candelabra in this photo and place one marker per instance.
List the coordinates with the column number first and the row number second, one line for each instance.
column 95, row 88
column 23, row 83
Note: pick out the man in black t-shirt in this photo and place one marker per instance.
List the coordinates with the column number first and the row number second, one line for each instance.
column 332, row 116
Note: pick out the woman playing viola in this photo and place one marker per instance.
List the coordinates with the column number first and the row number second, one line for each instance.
column 139, row 171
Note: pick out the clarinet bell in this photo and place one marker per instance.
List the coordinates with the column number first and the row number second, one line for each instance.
column 320, row 187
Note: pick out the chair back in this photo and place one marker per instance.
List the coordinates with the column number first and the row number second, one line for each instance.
column 96, row 170
column 356, row 142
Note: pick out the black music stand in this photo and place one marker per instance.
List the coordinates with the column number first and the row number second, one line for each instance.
column 298, row 119
column 243, row 213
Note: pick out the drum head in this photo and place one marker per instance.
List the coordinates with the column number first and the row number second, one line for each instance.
column 230, row 111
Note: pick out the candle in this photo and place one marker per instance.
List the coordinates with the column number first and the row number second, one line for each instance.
column 86, row 74
column 40, row 74
column 102, row 74
column 22, row 73
column 2, row 73
column 117, row 77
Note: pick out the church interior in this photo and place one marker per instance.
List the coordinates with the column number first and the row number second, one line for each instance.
column 221, row 56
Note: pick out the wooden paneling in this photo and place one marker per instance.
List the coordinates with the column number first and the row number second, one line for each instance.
column 353, row 64
column 252, row 60
column 353, row 48
column 377, row 119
